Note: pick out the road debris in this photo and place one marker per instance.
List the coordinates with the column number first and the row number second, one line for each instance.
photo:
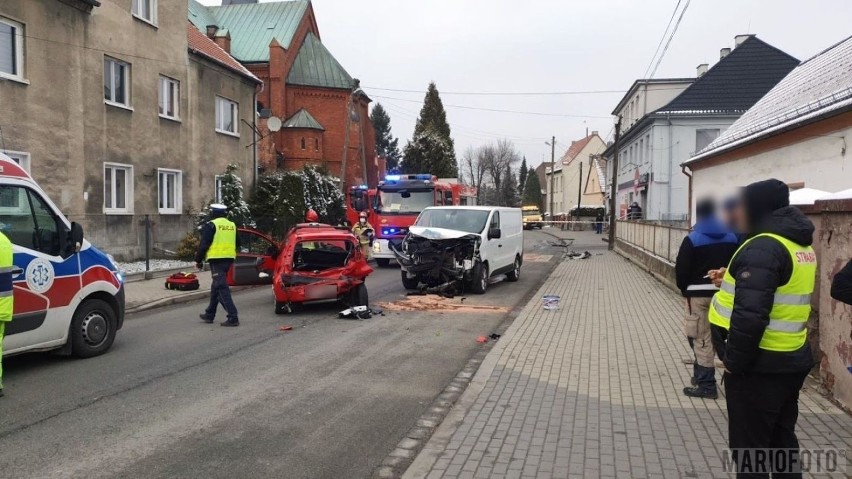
column 439, row 304
column 481, row 339
column 550, row 302
column 576, row 255
column 285, row 328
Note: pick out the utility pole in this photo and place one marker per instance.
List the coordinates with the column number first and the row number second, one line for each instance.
column 614, row 191
column 552, row 174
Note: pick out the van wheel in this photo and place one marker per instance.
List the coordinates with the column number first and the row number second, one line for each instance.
column 479, row 282
column 409, row 283
column 515, row 274
column 93, row 329
column 382, row 262
column 359, row 296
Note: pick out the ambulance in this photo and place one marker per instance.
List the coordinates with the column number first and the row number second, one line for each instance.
column 68, row 295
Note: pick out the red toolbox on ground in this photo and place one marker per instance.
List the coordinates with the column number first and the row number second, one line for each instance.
column 182, row 282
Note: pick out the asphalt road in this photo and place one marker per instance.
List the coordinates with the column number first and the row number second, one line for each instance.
column 178, row 398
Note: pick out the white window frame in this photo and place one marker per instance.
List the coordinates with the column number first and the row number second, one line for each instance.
column 220, row 123
column 217, row 188
column 22, row 158
column 128, row 190
column 166, row 95
column 178, row 191
column 18, row 54
column 113, row 62
column 149, row 17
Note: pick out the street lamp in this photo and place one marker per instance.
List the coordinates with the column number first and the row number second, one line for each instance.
column 552, row 145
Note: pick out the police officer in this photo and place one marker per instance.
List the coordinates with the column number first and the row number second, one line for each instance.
column 219, row 248
column 364, row 231
column 759, row 320
column 6, row 308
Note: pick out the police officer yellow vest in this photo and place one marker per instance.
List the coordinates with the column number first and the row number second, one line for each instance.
column 6, row 266
column 788, row 319
column 224, row 245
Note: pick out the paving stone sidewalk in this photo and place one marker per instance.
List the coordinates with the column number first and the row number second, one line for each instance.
column 150, row 293
column 594, row 390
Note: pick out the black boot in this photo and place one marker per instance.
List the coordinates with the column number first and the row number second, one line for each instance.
column 699, row 392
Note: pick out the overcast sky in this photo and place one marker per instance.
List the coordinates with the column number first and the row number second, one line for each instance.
column 546, row 46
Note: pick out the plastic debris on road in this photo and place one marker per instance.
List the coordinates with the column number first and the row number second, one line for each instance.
column 356, row 312
column 481, row 339
column 550, row 302
column 285, row 328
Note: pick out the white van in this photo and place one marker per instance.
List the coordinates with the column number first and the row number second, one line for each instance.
column 453, row 247
column 68, row 295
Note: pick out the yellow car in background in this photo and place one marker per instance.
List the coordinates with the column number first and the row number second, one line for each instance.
column 532, row 217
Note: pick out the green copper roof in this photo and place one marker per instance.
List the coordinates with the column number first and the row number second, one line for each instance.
column 303, row 119
column 252, row 26
column 315, row 66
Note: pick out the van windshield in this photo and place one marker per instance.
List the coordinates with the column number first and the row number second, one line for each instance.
column 458, row 219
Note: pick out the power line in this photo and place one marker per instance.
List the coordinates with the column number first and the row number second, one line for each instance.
column 489, row 93
column 496, row 110
column 669, row 42
column 660, row 43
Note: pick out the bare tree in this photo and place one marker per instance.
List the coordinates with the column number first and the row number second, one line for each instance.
column 505, row 157
column 474, row 169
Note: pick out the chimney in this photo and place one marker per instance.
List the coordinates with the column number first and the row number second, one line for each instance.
column 724, row 52
column 211, row 31
column 594, row 132
column 739, row 39
column 701, row 70
column 223, row 39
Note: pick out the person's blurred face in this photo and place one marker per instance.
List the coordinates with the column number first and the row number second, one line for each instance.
column 738, row 217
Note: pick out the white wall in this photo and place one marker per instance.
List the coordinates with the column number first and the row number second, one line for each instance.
column 819, row 162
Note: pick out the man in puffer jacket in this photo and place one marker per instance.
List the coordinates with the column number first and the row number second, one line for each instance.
column 759, row 319
column 710, row 245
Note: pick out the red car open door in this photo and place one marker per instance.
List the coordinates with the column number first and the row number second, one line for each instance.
column 255, row 260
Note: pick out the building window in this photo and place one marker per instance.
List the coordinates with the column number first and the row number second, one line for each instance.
column 316, row 144
column 11, row 50
column 145, row 10
column 647, row 148
column 20, row 157
column 303, row 143
column 118, row 188
column 226, row 116
column 703, row 138
column 170, row 191
column 116, row 82
column 217, row 188
column 169, row 98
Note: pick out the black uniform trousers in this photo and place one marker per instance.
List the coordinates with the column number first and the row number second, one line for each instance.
column 762, row 412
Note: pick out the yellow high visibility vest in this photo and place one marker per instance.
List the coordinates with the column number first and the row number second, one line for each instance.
column 6, row 266
column 224, row 245
column 788, row 319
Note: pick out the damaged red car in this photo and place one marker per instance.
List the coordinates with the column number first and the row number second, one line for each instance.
column 316, row 262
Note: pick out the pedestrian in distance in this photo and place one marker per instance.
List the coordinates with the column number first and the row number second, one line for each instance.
column 710, row 245
column 218, row 246
column 599, row 219
column 365, row 233
column 6, row 293
column 841, row 285
column 635, row 212
column 759, row 319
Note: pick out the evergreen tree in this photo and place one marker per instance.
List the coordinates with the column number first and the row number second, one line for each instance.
column 386, row 144
column 431, row 149
column 522, row 175
column 509, row 194
column 231, row 195
column 532, row 190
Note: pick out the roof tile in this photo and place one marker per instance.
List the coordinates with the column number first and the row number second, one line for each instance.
column 199, row 43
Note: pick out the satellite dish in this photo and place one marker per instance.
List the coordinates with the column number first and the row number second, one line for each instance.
column 273, row 123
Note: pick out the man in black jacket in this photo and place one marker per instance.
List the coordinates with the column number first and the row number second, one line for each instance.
column 759, row 322
column 841, row 286
column 709, row 246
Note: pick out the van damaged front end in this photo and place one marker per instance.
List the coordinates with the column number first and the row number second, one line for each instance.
column 437, row 260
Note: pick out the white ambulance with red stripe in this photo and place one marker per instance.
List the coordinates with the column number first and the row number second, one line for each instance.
column 68, row 295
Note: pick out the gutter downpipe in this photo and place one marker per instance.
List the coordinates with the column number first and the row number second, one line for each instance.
column 683, row 169
column 669, row 170
column 256, row 139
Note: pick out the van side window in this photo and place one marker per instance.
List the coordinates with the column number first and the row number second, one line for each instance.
column 495, row 220
column 27, row 220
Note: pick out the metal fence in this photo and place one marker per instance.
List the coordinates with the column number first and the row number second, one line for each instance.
column 656, row 239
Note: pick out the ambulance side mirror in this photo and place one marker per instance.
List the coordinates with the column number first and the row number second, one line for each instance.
column 75, row 238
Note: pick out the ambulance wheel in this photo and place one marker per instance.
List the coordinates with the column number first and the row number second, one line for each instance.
column 359, row 296
column 383, row 262
column 93, row 328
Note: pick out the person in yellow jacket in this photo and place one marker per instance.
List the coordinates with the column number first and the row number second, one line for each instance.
column 365, row 233
column 219, row 245
column 759, row 323
column 6, row 299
